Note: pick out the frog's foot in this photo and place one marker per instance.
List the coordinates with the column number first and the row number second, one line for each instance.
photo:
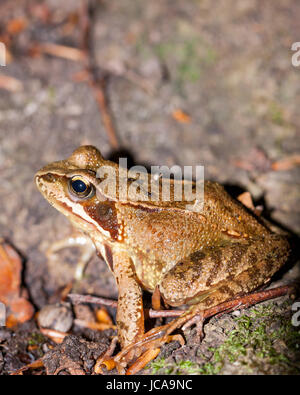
column 140, row 353
column 137, row 355
column 198, row 319
column 80, row 241
column 104, row 359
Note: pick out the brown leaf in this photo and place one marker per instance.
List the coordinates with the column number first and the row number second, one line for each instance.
column 286, row 163
column 103, row 316
column 10, row 83
column 62, row 51
column 246, row 199
column 18, row 308
column 56, row 336
column 97, row 326
column 16, row 26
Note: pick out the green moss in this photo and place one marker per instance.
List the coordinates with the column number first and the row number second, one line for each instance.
column 189, row 56
column 276, row 114
column 36, row 339
column 161, row 366
column 253, row 344
column 253, row 335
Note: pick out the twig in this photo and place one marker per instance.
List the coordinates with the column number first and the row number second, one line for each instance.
column 94, row 82
column 100, row 96
column 10, row 83
column 165, row 313
column 61, row 51
column 238, row 303
column 286, row 163
column 56, row 336
column 77, row 298
column 33, row 365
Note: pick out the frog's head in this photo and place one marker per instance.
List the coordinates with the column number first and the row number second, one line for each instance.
column 70, row 186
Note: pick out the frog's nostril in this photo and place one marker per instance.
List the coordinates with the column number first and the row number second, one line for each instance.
column 48, row 177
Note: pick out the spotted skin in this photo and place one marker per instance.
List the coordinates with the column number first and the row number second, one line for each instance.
column 225, row 270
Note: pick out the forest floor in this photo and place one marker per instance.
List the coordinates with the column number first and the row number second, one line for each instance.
column 187, row 83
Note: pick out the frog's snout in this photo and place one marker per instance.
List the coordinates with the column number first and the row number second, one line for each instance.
column 44, row 180
column 47, row 177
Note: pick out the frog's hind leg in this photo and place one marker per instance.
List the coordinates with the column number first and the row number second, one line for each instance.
column 216, row 275
column 224, row 271
column 209, row 278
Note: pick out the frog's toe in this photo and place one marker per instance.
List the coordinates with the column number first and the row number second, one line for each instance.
column 136, row 356
column 198, row 319
column 143, row 360
column 153, row 349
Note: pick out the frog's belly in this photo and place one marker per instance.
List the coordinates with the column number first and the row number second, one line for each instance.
column 150, row 272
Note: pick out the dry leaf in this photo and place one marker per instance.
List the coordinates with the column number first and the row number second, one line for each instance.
column 15, row 26
column 62, row 51
column 10, row 83
column 181, row 116
column 98, row 326
column 56, row 336
column 103, row 316
column 18, row 309
column 246, row 199
column 286, row 163
column 71, row 24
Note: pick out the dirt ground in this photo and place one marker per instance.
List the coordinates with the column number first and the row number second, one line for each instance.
column 227, row 66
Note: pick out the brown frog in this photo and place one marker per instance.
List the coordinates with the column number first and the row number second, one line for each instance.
column 188, row 257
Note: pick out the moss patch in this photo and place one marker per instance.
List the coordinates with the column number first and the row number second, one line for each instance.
column 263, row 340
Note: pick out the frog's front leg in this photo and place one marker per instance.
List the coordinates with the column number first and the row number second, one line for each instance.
column 79, row 240
column 130, row 313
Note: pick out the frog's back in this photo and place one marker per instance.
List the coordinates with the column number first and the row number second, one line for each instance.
column 232, row 217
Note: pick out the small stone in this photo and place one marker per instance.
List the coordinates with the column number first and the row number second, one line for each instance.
column 236, row 313
column 56, row 316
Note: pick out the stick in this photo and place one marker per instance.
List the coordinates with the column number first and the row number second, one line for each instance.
column 238, row 303
column 97, row 85
column 77, row 299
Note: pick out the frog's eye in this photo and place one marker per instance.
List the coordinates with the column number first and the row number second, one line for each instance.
column 80, row 188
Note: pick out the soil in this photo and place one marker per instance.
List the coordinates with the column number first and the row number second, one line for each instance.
column 228, row 68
